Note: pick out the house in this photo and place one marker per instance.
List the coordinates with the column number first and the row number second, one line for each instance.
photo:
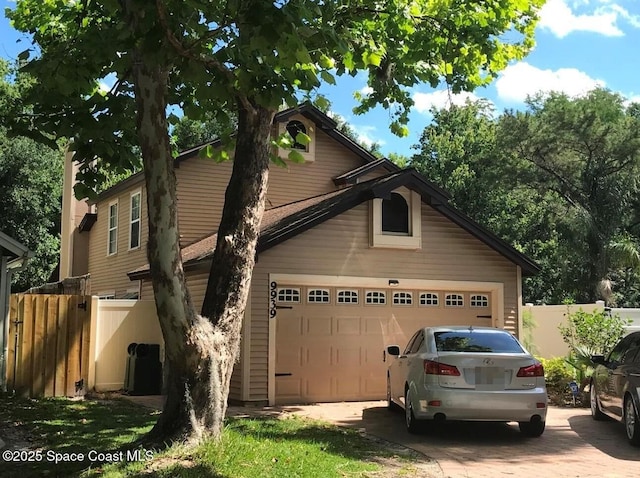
column 13, row 258
column 354, row 254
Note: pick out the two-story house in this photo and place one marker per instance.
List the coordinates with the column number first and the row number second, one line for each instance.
column 354, row 254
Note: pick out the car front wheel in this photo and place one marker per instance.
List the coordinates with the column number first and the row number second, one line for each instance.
column 413, row 424
column 532, row 429
column 631, row 422
column 596, row 413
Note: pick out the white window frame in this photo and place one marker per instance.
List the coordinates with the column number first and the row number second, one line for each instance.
column 346, row 296
column 479, row 300
column 454, row 299
column 112, row 229
column 138, row 220
column 318, row 293
column 402, row 297
column 310, row 154
column 288, row 294
column 390, row 240
column 377, row 294
column 425, row 297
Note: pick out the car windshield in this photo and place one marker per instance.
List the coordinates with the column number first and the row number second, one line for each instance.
column 476, row 341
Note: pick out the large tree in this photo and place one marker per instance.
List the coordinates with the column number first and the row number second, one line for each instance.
column 586, row 150
column 247, row 57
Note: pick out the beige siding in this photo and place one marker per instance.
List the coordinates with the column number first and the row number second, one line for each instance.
column 109, row 273
column 202, row 184
column 340, row 246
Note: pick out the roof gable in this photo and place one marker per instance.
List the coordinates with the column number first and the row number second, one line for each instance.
column 283, row 222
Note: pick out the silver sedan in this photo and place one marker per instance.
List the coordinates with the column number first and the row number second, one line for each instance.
column 467, row 373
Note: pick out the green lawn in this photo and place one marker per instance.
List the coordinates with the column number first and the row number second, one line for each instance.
column 251, row 447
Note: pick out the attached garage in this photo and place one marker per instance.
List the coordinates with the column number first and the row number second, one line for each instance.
column 329, row 338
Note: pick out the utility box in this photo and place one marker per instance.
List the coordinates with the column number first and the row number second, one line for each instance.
column 143, row 373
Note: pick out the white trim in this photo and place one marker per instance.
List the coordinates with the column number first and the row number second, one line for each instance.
column 310, row 154
column 138, row 192
column 109, row 228
column 519, row 307
column 397, row 241
column 271, row 363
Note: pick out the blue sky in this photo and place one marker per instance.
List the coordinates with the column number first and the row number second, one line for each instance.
column 581, row 44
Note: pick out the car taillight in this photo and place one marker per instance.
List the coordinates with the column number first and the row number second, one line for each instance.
column 432, row 367
column 535, row 370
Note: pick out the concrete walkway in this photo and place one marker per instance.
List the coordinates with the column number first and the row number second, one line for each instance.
column 573, row 445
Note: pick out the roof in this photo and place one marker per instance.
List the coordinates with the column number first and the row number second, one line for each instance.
column 321, row 120
column 15, row 252
column 286, row 221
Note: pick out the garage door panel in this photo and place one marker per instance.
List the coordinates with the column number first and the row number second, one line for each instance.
column 348, row 357
column 347, row 325
column 334, row 352
column 317, row 327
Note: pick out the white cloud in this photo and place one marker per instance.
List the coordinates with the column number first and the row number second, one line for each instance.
column 367, row 135
column 518, row 81
column 366, row 90
column 440, row 99
column 559, row 18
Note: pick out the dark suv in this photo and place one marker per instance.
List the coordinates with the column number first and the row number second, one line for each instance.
column 615, row 384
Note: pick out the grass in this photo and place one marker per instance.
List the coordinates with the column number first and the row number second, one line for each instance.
column 259, row 447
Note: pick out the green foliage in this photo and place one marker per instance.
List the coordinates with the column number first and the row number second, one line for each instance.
column 592, row 332
column 558, row 374
column 263, row 53
column 558, row 181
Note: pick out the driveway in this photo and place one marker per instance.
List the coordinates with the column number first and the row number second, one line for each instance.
column 573, row 445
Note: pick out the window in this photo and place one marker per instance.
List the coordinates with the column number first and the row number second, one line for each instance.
column 413, row 339
column 376, row 297
column 134, row 226
column 417, row 343
column 477, row 341
column 107, row 296
column 293, row 128
column 396, row 220
column 289, row 295
column 320, row 296
column 428, row 298
column 112, row 238
column 402, row 298
column 395, row 215
column 479, row 301
column 347, row 297
column 454, row 300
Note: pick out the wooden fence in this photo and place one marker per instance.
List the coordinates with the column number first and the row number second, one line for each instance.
column 49, row 343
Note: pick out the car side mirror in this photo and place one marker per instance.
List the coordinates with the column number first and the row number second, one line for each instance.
column 393, row 350
column 598, row 359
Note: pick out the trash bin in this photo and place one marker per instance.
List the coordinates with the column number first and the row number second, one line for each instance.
column 143, row 375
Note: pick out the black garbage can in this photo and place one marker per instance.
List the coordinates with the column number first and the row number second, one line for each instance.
column 143, row 375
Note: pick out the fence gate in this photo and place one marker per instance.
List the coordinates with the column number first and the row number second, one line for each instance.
column 48, row 344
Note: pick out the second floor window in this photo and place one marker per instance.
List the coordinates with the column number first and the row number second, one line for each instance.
column 134, row 228
column 112, row 237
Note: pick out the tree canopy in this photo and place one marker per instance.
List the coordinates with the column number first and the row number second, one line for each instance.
column 558, row 180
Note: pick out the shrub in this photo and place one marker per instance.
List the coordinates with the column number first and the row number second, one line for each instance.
column 558, row 373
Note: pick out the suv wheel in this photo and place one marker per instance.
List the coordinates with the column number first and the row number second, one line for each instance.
column 631, row 424
column 596, row 413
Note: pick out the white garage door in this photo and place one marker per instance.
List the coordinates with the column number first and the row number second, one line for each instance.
column 330, row 340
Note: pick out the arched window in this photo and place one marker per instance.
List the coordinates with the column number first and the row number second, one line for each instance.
column 293, row 128
column 395, row 215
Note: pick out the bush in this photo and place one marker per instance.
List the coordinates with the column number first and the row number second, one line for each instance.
column 558, row 373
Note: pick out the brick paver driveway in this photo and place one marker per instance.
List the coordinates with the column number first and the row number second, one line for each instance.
column 573, row 445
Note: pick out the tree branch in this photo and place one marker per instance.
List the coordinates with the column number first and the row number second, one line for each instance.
column 206, row 60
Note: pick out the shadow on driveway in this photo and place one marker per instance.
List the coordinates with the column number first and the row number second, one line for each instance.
column 608, row 436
